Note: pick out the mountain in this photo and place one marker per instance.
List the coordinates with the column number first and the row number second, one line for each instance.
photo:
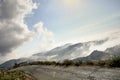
column 101, row 55
column 79, row 51
column 94, row 56
column 68, row 51
column 114, row 51
column 10, row 63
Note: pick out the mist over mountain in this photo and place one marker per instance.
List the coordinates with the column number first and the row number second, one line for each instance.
column 68, row 51
column 75, row 52
column 101, row 55
column 115, row 51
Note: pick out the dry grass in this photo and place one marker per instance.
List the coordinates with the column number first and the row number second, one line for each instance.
column 14, row 75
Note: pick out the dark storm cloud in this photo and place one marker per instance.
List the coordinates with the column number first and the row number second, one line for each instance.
column 8, row 9
column 11, row 36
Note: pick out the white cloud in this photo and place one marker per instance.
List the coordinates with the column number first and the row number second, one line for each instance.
column 15, row 9
column 46, row 36
column 40, row 30
column 14, row 33
column 43, row 40
column 13, row 30
column 111, row 35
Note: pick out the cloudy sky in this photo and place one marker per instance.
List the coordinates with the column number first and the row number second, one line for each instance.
column 32, row 26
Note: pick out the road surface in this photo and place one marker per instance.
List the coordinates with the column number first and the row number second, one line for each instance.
column 71, row 73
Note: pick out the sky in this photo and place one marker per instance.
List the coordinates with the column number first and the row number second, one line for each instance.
column 32, row 26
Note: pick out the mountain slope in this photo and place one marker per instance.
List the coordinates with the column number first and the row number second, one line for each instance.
column 101, row 55
column 115, row 51
column 69, row 51
column 94, row 56
column 9, row 64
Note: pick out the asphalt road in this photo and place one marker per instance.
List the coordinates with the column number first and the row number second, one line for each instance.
column 71, row 73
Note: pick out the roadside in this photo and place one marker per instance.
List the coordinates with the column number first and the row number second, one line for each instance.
column 14, row 75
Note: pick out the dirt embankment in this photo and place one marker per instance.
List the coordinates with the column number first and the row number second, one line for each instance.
column 15, row 75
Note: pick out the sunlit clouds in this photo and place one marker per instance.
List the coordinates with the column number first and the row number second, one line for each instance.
column 71, row 3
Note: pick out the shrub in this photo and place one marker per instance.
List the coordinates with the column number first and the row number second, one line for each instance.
column 16, row 65
column 67, row 62
column 78, row 63
column 89, row 63
column 114, row 62
column 101, row 63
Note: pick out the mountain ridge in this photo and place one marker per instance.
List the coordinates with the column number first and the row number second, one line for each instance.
column 67, row 52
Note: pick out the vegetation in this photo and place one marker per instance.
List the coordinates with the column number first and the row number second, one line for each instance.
column 14, row 75
column 114, row 62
